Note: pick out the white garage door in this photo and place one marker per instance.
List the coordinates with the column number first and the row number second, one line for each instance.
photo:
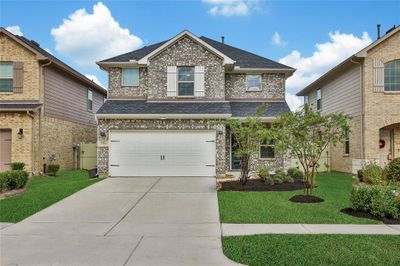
column 162, row 153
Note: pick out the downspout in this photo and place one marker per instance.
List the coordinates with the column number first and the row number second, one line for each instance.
column 362, row 108
column 32, row 142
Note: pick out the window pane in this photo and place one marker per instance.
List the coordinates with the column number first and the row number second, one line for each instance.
column 392, row 76
column 253, row 82
column 267, row 152
column 186, row 89
column 6, row 85
column 6, row 70
column 130, row 77
column 185, row 73
column 319, row 94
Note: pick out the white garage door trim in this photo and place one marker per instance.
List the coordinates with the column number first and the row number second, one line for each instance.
column 162, row 153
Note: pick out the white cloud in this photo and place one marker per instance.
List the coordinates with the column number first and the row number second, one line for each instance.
column 326, row 55
column 15, row 30
column 231, row 7
column 293, row 101
column 94, row 79
column 89, row 37
column 277, row 40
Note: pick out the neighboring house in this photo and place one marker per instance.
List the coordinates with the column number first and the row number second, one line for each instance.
column 367, row 87
column 45, row 106
column 165, row 99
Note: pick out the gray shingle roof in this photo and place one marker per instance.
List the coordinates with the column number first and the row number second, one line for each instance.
column 243, row 58
column 243, row 109
column 236, row 109
column 19, row 106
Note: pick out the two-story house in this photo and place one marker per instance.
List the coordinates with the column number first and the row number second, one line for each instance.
column 367, row 87
column 45, row 106
column 165, row 101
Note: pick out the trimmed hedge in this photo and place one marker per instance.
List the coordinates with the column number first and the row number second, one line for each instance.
column 379, row 200
column 17, row 166
column 13, row 179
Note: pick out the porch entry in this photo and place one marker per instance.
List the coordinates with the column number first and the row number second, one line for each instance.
column 5, row 149
column 386, row 145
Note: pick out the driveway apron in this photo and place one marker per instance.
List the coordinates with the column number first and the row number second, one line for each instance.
column 123, row 221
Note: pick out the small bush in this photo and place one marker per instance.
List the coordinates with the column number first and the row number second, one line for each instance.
column 295, row 173
column 278, row 180
column 379, row 200
column 288, row 179
column 372, row 173
column 263, row 173
column 392, row 170
column 280, row 174
column 53, row 169
column 13, row 179
column 270, row 181
column 17, row 166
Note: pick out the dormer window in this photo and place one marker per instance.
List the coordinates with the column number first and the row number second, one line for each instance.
column 130, row 77
column 253, row 82
column 185, row 81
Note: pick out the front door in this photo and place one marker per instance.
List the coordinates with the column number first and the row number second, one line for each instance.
column 235, row 160
column 5, row 149
column 385, row 146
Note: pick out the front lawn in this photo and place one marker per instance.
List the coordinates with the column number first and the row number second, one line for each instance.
column 42, row 192
column 313, row 249
column 275, row 207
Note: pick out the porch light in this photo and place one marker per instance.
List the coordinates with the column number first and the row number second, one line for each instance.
column 102, row 133
column 20, row 133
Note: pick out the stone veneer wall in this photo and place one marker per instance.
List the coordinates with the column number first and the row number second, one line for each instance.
column 186, row 52
column 280, row 161
column 273, row 87
column 116, row 90
column 172, row 124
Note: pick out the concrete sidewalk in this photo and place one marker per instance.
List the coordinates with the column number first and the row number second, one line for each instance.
column 352, row 229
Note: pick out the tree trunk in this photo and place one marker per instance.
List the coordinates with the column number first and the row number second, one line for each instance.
column 244, row 169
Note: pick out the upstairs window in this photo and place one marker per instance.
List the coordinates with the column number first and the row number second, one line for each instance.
column 6, row 77
column 392, row 76
column 130, row 77
column 253, row 82
column 267, row 149
column 90, row 100
column 185, row 81
column 305, row 99
column 319, row 99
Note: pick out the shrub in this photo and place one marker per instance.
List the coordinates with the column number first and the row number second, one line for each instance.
column 280, row 174
column 13, row 179
column 360, row 175
column 288, row 179
column 52, row 169
column 378, row 200
column 372, row 173
column 263, row 173
column 392, row 170
column 295, row 173
column 17, row 166
column 278, row 180
column 270, row 181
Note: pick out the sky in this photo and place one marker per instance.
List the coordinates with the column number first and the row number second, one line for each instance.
column 311, row 36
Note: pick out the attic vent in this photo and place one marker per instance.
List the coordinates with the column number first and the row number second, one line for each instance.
column 35, row 43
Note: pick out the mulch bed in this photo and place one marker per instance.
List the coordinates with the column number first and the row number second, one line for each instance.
column 306, row 199
column 10, row 193
column 259, row 185
column 361, row 214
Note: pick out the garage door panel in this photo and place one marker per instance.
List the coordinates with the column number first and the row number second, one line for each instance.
column 185, row 153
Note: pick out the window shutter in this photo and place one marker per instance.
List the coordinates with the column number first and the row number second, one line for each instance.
column 171, row 81
column 378, row 75
column 18, row 77
column 199, row 81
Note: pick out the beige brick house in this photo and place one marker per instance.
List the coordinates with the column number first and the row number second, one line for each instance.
column 165, row 100
column 367, row 87
column 45, row 106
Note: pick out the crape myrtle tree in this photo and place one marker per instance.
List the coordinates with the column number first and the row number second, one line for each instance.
column 247, row 134
column 306, row 134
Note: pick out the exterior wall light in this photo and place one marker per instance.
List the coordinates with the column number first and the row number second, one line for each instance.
column 20, row 133
column 102, row 133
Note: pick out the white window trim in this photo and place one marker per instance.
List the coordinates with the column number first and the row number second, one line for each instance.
column 177, row 83
column 12, row 77
column 89, row 92
column 129, row 85
column 384, row 77
column 319, row 97
column 265, row 145
column 306, row 99
column 255, row 88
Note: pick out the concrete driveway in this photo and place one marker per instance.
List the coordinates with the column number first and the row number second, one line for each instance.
column 123, row 221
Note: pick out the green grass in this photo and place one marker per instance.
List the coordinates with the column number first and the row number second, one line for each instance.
column 42, row 192
column 313, row 250
column 275, row 207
